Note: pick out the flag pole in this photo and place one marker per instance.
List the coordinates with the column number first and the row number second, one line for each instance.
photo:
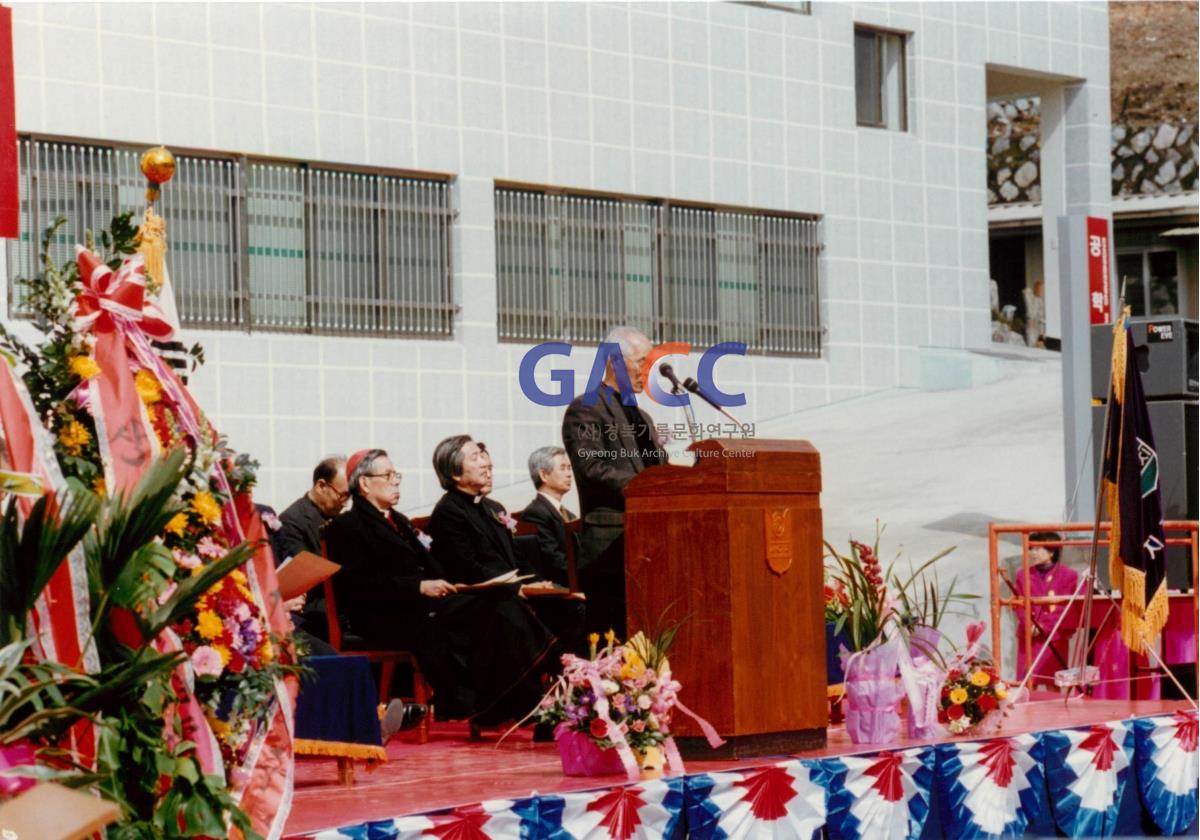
column 1080, row 647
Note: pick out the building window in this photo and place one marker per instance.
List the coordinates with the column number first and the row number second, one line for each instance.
column 1151, row 281
column 880, row 86
column 258, row 245
column 569, row 267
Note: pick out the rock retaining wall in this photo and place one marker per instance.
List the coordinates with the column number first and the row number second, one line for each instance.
column 1146, row 160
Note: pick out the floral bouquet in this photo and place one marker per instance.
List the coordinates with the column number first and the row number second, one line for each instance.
column 969, row 695
column 612, row 711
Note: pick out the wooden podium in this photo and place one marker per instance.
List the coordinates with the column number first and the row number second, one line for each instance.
column 735, row 543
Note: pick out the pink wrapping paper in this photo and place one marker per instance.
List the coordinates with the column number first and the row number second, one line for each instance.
column 872, row 695
column 20, row 754
column 928, row 680
column 581, row 757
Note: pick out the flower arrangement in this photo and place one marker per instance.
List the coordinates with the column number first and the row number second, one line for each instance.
column 614, row 696
column 969, row 695
column 194, row 582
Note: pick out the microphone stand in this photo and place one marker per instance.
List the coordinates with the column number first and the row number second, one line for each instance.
column 694, row 387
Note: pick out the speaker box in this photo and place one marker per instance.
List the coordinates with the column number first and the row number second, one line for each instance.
column 1166, row 357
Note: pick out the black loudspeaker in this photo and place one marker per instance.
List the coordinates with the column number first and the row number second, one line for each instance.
column 1174, row 425
column 1166, row 357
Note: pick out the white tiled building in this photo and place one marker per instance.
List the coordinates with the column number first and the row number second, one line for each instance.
column 727, row 106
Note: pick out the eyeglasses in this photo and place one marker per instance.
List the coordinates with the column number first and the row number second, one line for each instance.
column 391, row 476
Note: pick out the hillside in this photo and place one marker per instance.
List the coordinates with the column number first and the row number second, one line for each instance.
column 1154, row 58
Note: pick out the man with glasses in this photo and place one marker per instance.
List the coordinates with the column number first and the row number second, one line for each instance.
column 300, row 529
column 481, row 650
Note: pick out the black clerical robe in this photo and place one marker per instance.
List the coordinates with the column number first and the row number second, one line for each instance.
column 482, row 651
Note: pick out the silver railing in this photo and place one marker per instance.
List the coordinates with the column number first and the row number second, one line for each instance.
column 570, row 267
column 258, row 244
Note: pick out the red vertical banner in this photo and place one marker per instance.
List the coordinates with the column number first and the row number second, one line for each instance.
column 1099, row 282
column 10, row 199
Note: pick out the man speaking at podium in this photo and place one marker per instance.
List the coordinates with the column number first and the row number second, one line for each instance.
column 608, row 444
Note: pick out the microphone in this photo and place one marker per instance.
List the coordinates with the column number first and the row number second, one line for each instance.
column 694, row 387
column 669, row 372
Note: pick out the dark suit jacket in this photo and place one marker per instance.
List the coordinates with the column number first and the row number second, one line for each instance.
column 605, row 454
column 379, row 584
column 552, row 538
column 302, row 522
column 471, row 543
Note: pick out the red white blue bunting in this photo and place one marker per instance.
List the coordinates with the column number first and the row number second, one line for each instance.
column 881, row 797
column 634, row 812
column 497, row 819
column 990, row 789
column 784, row 800
column 1167, row 769
column 1086, row 770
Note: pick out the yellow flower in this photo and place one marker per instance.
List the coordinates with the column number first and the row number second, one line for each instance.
column 980, row 678
column 219, row 727
column 593, row 638
column 206, row 507
column 147, row 387
column 99, row 487
column 238, row 576
column 610, row 637
column 266, row 653
column 84, row 367
column 1001, row 694
column 209, row 626
column 958, row 695
column 224, row 653
column 74, row 436
column 177, row 524
column 634, row 667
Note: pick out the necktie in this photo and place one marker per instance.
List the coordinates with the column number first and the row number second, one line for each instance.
column 567, row 515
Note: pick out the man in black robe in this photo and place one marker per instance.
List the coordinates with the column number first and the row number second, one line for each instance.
column 482, row 651
column 473, row 537
column 609, row 443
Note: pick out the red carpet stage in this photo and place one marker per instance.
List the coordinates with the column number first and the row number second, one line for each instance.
column 504, row 790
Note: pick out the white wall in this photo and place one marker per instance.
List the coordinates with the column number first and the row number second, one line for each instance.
column 705, row 101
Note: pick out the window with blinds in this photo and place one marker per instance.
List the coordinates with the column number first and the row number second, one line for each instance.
column 570, row 267
column 258, row 245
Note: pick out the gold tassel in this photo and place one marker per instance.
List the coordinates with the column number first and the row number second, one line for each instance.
column 339, row 749
column 151, row 241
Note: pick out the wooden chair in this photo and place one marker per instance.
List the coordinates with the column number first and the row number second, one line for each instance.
column 387, row 659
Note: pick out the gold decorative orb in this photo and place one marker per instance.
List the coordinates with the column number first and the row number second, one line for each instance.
column 158, row 165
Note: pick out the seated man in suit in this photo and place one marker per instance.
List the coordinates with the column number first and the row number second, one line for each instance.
column 483, row 651
column 550, row 470
column 473, row 536
column 300, row 527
